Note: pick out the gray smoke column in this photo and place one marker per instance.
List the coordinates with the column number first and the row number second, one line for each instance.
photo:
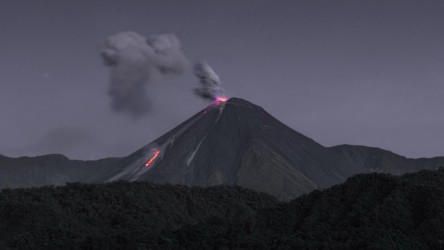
column 210, row 85
column 135, row 63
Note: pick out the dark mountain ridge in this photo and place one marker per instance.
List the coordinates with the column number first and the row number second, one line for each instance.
column 380, row 160
column 54, row 169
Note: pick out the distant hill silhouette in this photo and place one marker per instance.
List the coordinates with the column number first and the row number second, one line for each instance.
column 368, row 159
column 47, row 170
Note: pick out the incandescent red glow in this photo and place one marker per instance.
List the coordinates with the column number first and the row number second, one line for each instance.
column 150, row 162
column 220, row 99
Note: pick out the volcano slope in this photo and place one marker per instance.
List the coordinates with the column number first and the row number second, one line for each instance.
column 239, row 143
column 368, row 211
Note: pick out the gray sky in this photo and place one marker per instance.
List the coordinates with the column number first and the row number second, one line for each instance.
column 341, row 72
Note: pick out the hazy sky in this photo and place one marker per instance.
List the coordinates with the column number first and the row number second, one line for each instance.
column 340, row 72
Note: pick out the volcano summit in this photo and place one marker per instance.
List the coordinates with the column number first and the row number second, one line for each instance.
column 235, row 142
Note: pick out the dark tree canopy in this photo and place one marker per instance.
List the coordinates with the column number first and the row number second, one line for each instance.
column 371, row 211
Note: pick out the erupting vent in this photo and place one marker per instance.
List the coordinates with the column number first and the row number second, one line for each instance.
column 220, row 100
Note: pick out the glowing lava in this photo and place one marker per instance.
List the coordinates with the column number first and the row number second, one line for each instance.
column 219, row 100
column 150, row 162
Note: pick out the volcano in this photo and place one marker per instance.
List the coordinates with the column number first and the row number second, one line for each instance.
column 231, row 142
column 235, row 142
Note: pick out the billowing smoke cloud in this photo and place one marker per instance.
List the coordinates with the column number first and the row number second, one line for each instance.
column 136, row 62
column 210, row 85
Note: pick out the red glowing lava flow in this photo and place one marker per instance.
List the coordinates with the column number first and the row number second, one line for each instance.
column 150, row 162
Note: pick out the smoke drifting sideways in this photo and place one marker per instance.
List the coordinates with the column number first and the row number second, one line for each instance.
column 210, row 85
column 135, row 63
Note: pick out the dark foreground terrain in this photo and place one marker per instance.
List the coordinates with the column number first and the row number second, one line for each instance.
column 369, row 211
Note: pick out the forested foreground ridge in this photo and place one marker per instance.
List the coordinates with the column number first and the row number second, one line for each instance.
column 369, row 211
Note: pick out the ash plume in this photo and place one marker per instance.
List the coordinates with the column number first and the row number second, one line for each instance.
column 210, row 85
column 135, row 63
